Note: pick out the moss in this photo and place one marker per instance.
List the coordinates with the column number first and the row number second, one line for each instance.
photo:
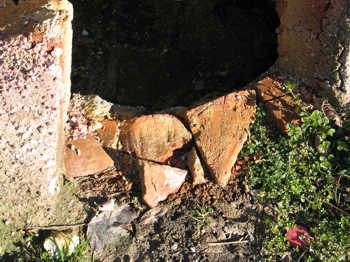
column 69, row 209
column 9, row 236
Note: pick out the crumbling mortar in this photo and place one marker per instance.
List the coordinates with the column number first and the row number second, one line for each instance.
column 340, row 70
column 338, row 57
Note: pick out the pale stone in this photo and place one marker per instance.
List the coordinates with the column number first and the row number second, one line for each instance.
column 35, row 63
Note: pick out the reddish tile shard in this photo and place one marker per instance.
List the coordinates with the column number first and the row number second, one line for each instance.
column 153, row 137
column 159, row 181
column 86, row 157
column 219, row 130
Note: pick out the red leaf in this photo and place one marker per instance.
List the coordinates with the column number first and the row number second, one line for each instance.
column 298, row 236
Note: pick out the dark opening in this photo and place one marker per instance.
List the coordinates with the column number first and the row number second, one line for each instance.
column 162, row 53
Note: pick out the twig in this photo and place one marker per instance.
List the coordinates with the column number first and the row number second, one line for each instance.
column 105, row 176
column 331, row 205
column 299, row 259
column 56, row 227
column 337, row 186
column 337, row 208
column 227, row 243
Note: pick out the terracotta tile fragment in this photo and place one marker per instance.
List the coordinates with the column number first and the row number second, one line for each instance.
column 109, row 133
column 195, row 167
column 159, row 181
column 153, row 137
column 280, row 106
column 218, row 128
column 86, row 157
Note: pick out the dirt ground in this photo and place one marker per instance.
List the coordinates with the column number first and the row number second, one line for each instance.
column 166, row 53
column 201, row 223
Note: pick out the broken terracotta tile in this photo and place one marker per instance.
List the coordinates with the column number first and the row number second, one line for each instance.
column 159, row 181
column 218, row 128
column 86, row 157
column 153, row 137
column 279, row 105
column 109, row 133
column 195, row 167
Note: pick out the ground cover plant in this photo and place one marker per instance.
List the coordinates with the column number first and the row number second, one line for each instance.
column 305, row 176
column 31, row 249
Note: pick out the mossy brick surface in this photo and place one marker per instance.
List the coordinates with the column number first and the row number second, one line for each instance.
column 35, row 64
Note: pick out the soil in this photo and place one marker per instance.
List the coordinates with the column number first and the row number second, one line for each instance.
column 228, row 229
column 163, row 53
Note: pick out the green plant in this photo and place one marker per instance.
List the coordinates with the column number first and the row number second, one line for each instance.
column 200, row 213
column 68, row 181
column 298, row 173
column 32, row 250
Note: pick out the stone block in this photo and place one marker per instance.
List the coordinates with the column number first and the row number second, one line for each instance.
column 35, row 66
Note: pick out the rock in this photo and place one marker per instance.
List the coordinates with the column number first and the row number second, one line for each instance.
column 159, row 181
column 218, row 128
column 109, row 133
column 152, row 215
column 109, row 229
column 86, row 157
column 195, row 167
column 77, row 124
column 96, row 108
column 280, row 106
column 153, row 137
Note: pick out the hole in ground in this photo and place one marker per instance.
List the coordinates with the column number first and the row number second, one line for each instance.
column 162, row 53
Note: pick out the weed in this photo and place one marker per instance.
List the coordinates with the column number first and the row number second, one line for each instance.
column 302, row 174
column 200, row 213
column 32, row 250
column 68, row 181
